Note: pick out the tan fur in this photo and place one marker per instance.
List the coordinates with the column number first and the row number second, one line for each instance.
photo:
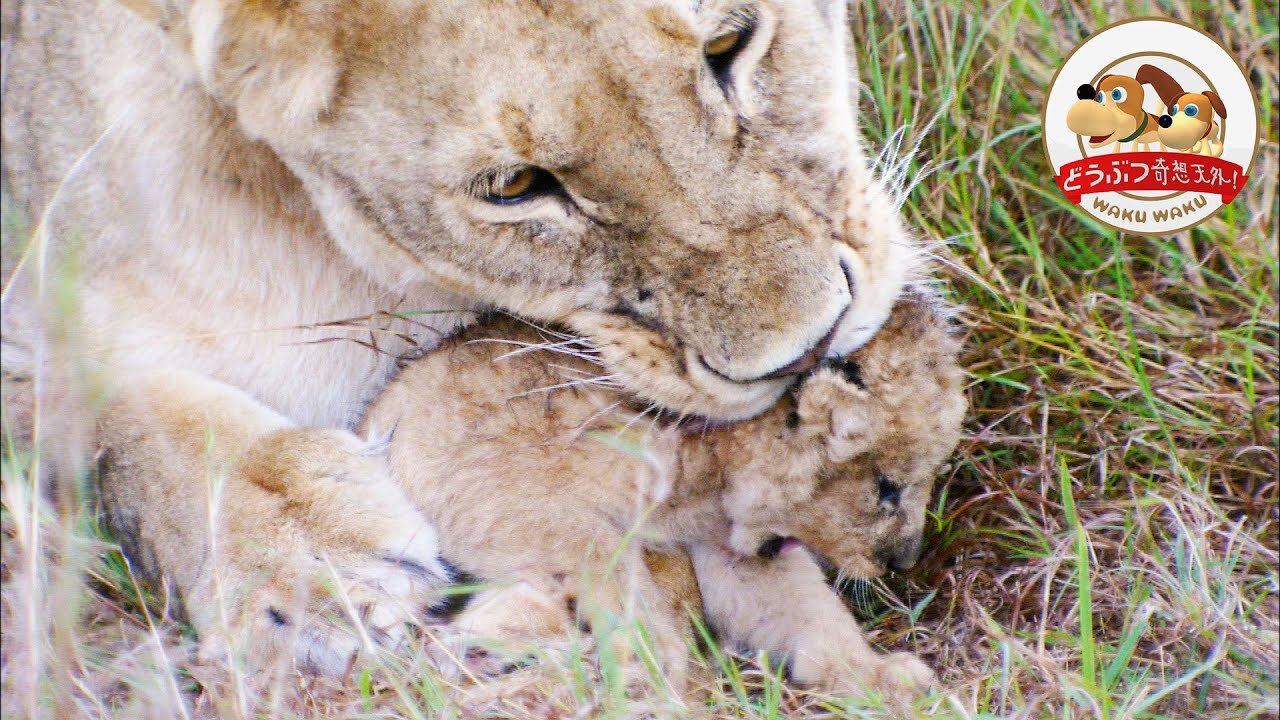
column 231, row 173
column 526, row 486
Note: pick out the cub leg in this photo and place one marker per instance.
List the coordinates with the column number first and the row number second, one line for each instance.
column 673, row 576
column 633, row 587
column 543, row 604
column 785, row 606
column 252, row 521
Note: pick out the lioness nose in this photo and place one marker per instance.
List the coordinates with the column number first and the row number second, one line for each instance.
column 814, row 355
column 1164, row 121
column 901, row 555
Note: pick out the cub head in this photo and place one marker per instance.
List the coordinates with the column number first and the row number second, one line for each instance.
column 680, row 181
column 846, row 467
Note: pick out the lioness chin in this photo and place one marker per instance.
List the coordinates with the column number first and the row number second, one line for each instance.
column 509, row 444
column 263, row 205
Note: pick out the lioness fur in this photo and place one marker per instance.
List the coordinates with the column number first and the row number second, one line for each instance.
column 256, row 208
column 526, row 484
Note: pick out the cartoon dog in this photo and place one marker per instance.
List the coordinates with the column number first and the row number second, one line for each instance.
column 1190, row 123
column 1112, row 112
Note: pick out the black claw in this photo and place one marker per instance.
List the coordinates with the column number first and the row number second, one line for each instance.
column 455, row 574
column 412, row 566
column 455, row 599
column 852, row 373
column 277, row 618
column 770, row 548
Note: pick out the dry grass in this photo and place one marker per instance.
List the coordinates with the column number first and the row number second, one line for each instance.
column 1104, row 544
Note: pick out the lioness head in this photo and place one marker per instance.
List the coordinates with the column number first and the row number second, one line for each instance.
column 681, row 181
column 846, row 467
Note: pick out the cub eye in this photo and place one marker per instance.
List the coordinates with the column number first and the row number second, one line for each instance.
column 1192, row 111
column 1101, row 98
column 890, row 492
column 1173, row 110
column 724, row 48
column 517, row 186
column 1119, row 94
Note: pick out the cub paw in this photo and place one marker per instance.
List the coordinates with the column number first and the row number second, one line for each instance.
column 902, row 674
column 897, row 677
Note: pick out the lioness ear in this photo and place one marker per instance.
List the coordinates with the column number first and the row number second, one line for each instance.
column 157, row 11
column 273, row 61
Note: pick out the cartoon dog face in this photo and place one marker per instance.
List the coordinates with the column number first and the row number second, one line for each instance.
column 1190, row 119
column 1111, row 112
column 1107, row 112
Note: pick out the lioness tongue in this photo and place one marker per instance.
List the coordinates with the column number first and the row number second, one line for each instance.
column 1099, row 138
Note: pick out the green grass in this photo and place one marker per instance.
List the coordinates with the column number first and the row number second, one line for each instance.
column 1104, row 543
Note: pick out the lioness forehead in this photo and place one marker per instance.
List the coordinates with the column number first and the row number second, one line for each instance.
column 556, row 84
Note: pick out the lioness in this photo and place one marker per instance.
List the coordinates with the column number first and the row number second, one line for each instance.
column 233, row 185
column 497, row 436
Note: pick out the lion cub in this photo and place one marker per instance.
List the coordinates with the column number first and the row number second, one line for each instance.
column 537, row 474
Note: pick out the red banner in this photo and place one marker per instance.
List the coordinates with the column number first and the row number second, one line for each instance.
column 1168, row 171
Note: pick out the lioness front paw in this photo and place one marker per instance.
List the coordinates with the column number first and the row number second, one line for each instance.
column 321, row 554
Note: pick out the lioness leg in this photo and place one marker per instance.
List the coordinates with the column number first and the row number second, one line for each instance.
column 253, row 520
column 785, row 606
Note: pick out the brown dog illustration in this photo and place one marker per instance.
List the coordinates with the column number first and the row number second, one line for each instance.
column 1112, row 111
column 1191, row 123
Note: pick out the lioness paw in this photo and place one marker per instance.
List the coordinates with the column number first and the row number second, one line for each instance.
column 322, row 555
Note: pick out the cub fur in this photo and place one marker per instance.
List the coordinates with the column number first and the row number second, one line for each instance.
column 506, row 441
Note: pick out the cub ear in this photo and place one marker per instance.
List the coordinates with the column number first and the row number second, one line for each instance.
column 273, row 61
column 841, row 416
column 1216, row 102
column 1166, row 87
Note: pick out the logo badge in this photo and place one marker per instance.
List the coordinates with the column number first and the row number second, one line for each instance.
column 1150, row 126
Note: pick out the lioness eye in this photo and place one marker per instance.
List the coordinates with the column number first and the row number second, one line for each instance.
column 723, row 43
column 722, row 49
column 514, row 187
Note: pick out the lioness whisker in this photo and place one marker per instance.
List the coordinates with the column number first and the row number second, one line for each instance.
column 565, row 347
column 604, row 381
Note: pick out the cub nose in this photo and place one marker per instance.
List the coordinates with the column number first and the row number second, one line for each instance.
column 1086, row 92
column 1164, row 121
column 902, row 554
